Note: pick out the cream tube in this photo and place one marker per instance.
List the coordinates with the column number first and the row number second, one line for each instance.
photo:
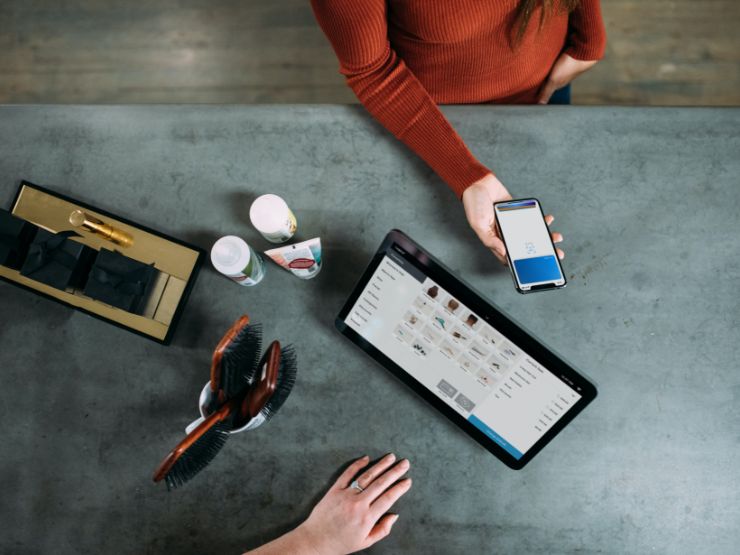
column 303, row 260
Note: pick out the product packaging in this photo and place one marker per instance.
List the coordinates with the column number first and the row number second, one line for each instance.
column 303, row 260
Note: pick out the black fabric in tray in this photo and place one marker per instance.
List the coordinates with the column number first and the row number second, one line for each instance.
column 15, row 236
column 56, row 260
column 120, row 281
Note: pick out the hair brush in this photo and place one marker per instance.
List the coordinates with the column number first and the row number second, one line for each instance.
column 234, row 361
column 254, row 406
column 275, row 379
column 199, row 447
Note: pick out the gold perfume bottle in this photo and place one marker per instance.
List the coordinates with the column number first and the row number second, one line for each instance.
column 79, row 218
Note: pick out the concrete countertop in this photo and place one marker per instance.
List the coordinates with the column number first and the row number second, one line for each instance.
column 648, row 201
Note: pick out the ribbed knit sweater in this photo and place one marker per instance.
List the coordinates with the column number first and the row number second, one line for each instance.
column 403, row 57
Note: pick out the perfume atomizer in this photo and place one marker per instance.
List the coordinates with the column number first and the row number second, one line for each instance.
column 79, row 218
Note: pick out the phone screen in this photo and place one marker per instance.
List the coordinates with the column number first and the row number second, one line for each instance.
column 534, row 262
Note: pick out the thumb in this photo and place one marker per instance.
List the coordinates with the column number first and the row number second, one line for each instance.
column 381, row 529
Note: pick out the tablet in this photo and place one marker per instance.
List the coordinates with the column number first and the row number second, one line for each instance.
column 461, row 353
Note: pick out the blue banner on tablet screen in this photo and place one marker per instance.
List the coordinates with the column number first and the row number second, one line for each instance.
column 528, row 240
column 486, row 429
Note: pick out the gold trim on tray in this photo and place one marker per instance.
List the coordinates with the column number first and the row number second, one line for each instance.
column 176, row 263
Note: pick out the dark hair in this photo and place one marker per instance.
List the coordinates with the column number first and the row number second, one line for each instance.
column 524, row 13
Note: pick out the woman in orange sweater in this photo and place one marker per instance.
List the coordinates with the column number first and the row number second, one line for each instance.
column 403, row 57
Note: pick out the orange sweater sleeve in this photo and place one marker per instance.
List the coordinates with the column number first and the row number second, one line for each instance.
column 586, row 33
column 358, row 32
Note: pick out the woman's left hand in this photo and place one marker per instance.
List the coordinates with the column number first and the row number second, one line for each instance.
column 563, row 72
column 348, row 519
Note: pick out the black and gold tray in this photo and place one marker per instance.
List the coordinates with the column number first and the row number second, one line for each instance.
column 178, row 262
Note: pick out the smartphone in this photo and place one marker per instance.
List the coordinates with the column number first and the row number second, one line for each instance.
column 533, row 261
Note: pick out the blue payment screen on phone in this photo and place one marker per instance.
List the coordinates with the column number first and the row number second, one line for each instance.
column 528, row 242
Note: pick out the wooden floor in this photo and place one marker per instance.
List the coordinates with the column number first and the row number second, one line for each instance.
column 679, row 52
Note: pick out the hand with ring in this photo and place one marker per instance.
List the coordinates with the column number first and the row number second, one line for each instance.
column 353, row 514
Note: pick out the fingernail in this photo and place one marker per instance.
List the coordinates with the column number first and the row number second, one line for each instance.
column 390, row 456
column 363, row 458
column 405, row 463
column 395, row 518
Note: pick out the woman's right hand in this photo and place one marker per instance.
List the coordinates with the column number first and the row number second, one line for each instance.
column 347, row 519
column 478, row 201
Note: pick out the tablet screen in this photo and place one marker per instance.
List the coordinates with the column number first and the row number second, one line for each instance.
column 452, row 351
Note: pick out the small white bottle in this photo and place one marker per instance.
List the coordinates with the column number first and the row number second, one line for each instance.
column 272, row 218
column 231, row 256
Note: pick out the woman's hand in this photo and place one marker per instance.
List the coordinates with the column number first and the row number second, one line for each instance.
column 563, row 72
column 347, row 519
column 478, row 201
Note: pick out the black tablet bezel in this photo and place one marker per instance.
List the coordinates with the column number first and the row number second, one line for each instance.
column 494, row 316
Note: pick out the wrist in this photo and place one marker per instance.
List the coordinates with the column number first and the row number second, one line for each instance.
column 490, row 184
column 307, row 542
column 476, row 184
column 462, row 180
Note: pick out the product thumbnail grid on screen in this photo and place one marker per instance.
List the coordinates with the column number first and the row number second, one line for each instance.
column 456, row 354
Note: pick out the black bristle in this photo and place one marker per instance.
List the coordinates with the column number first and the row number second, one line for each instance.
column 286, row 380
column 240, row 360
column 197, row 457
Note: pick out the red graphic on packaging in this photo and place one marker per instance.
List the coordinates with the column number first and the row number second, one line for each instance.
column 301, row 263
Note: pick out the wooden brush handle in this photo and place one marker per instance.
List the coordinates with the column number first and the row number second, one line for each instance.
column 218, row 354
column 218, row 416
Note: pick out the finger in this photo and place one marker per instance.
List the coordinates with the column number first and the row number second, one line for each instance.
column 385, row 481
column 490, row 240
column 351, row 471
column 383, row 503
column 498, row 248
column 549, row 219
column 381, row 529
column 367, row 477
column 486, row 234
column 556, row 237
column 561, row 254
column 546, row 92
column 500, row 258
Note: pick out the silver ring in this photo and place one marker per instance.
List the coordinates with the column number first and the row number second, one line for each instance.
column 356, row 485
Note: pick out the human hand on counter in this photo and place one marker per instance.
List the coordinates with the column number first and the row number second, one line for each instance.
column 347, row 519
column 478, row 200
column 564, row 70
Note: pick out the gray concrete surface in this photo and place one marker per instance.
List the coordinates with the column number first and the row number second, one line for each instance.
column 648, row 202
